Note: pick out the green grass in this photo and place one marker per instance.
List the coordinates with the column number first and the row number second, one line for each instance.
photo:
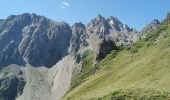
column 144, row 72
column 135, row 94
column 88, row 68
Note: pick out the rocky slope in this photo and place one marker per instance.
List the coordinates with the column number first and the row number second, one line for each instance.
column 43, row 83
column 31, row 83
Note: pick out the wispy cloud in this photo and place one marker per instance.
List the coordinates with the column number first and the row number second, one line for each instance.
column 64, row 5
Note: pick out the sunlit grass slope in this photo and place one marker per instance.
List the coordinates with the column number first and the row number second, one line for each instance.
column 139, row 72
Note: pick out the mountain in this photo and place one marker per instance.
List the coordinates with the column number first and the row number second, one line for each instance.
column 33, row 39
column 35, row 51
column 43, row 59
column 137, row 72
column 24, row 38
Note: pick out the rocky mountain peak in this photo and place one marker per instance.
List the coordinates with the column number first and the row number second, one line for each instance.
column 149, row 28
column 113, row 20
column 78, row 26
column 117, row 25
column 100, row 17
column 154, row 24
column 99, row 26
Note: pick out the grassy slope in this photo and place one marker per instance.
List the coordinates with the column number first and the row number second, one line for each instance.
column 86, row 71
column 145, row 73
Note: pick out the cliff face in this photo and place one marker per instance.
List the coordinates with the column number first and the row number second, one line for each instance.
column 78, row 41
column 33, row 39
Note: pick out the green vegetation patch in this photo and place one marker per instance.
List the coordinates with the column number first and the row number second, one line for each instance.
column 88, row 68
column 137, row 94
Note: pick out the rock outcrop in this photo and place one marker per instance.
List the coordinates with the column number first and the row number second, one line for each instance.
column 105, row 48
column 149, row 28
column 117, row 25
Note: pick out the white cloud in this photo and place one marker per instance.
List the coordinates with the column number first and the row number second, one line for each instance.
column 64, row 5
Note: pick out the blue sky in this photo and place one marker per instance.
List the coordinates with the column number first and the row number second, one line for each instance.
column 135, row 13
